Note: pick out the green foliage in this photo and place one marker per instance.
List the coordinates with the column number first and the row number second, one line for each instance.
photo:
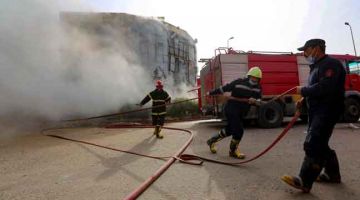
column 183, row 110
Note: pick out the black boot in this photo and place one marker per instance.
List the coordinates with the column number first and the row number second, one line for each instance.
column 234, row 151
column 216, row 138
column 295, row 182
column 310, row 170
column 331, row 173
column 157, row 132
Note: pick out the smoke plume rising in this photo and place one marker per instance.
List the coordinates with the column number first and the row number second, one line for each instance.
column 44, row 74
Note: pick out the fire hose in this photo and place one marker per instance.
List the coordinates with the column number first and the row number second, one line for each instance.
column 185, row 158
column 244, row 100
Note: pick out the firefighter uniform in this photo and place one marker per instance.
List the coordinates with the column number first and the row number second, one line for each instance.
column 235, row 111
column 159, row 99
column 325, row 100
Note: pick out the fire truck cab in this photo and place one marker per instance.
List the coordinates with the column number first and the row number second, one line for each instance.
column 281, row 71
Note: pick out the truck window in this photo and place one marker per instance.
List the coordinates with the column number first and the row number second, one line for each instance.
column 354, row 67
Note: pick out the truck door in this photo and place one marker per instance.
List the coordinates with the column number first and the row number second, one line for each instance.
column 352, row 94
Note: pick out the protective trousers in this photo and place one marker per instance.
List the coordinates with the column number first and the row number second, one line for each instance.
column 158, row 120
column 234, row 127
column 318, row 154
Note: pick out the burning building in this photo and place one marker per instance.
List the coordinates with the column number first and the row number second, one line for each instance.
column 164, row 50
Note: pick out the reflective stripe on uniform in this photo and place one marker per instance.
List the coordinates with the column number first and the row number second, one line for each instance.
column 247, row 88
column 162, row 113
column 255, row 90
column 158, row 100
column 149, row 96
column 222, row 133
column 221, row 90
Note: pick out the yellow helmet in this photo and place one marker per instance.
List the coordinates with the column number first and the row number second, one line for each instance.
column 255, row 72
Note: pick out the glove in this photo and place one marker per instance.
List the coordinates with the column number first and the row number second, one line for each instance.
column 258, row 102
column 252, row 101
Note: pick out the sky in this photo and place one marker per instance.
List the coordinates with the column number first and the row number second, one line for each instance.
column 258, row 25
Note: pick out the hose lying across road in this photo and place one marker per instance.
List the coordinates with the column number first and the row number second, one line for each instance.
column 185, row 158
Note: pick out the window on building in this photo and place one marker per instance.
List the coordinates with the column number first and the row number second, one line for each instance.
column 159, row 53
column 177, row 65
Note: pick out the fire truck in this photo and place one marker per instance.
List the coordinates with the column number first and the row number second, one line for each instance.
column 281, row 72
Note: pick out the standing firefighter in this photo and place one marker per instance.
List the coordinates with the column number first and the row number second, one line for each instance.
column 159, row 99
column 248, row 88
column 325, row 100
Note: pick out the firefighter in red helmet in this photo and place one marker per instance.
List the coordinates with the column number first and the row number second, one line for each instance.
column 159, row 99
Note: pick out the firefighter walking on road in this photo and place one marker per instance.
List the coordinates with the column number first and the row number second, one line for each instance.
column 159, row 99
column 248, row 88
column 325, row 100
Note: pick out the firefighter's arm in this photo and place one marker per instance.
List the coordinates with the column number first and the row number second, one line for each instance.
column 257, row 93
column 226, row 88
column 168, row 99
column 145, row 100
column 256, row 96
column 325, row 86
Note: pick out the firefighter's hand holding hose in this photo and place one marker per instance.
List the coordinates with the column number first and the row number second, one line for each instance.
column 167, row 103
column 252, row 101
column 209, row 95
column 255, row 102
column 300, row 102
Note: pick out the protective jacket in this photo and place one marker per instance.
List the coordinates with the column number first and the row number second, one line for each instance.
column 159, row 98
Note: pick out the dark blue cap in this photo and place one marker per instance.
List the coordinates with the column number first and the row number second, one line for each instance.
column 312, row 43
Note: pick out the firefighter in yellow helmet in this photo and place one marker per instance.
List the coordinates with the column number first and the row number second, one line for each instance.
column 159, row 99
column 248, row 87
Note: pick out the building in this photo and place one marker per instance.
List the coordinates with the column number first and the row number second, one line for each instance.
column 166, row 51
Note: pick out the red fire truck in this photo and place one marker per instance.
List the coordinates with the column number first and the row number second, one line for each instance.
column 281, row 71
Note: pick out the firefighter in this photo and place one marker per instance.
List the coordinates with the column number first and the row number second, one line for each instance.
column 159, row 99
column 324, row 96
column 249, row 88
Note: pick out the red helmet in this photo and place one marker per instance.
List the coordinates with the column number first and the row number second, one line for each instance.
column 159, row 84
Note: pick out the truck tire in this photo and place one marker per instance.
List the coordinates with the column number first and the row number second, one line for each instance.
column 270, row 115
column 352, row 110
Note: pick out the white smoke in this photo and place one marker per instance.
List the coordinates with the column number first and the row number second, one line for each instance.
column 39, row 77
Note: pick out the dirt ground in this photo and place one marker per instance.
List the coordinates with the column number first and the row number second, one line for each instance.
column 33, row 166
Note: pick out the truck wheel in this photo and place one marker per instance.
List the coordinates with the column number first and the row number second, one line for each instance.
column 270, row 115
column 352, row 110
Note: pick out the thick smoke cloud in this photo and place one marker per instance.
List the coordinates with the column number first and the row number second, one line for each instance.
column 44, row 74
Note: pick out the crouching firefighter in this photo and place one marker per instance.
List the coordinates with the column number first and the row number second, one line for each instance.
column 159, row 99
column 248, row 88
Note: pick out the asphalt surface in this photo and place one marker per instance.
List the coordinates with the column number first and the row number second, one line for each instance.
column 33, row 166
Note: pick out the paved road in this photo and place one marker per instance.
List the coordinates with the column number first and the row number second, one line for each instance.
column 33, row 166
